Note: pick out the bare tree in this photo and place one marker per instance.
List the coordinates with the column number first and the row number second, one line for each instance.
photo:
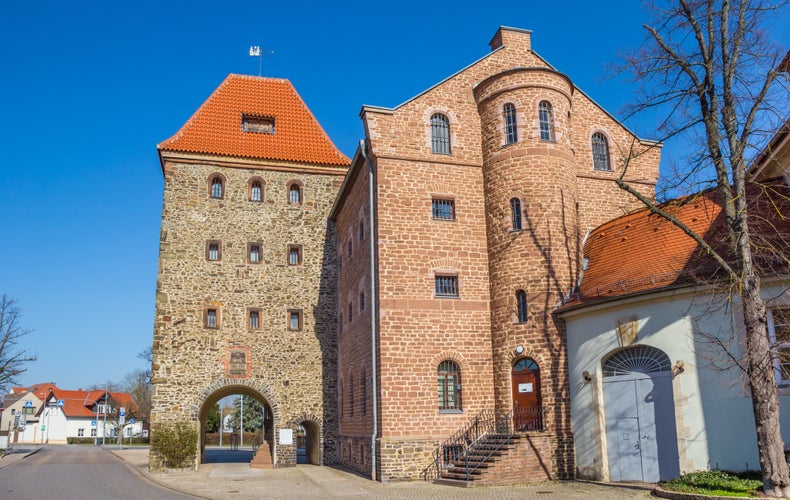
column 138, row 385
column 710, row 66
column 12, row 358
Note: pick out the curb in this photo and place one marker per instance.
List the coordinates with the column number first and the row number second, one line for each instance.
column 676, row 495
column 36, row 450
column 144, row 473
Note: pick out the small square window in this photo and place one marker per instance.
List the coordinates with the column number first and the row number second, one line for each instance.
column 295, row 320
column 211, row 318
column 446, row 286
column 213, row 250
column 254, row 253
column 442, row 209
column 253, row 319
column 294, row 255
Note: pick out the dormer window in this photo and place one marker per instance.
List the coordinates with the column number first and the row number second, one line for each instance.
column 257, row 124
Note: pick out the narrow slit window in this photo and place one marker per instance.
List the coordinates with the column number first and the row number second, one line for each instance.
column 256, row 191
column 521, row 306
column 217, row 188
column 515, row 211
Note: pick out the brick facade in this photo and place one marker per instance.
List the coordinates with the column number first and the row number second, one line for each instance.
column 561, row 195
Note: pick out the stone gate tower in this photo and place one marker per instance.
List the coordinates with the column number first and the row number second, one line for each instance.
column 245, row 298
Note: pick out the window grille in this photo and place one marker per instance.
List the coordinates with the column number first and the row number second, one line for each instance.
column 254, row 319
column 545, row 118
column 515, row 209
column 440, row 134
column 255, row 191
column 255, row 254
column 511, row 125
column 779, row 334
column 294, row 256
column 636, row 359
column 216, row 188
column 446, row 286
column 600, row 152
column 213, row 251
column 449, row 382
column 521, row 303
column 443, row 209
column 295, row 194
column 211, row 318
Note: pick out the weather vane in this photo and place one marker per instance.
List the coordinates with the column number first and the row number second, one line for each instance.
column 257, row 51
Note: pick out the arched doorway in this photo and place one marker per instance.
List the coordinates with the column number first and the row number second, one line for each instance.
column 308, row 443
column 525, row 379
column 640, row 415
column 237, row 445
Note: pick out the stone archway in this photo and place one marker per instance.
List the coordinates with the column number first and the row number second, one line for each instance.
column 226, row 387
column 311, row 440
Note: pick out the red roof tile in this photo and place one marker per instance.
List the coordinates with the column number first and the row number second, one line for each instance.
column 81, row 403
column 643, row 251
column 216, row 127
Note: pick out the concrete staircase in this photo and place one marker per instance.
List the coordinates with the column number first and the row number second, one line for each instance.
column 262, row 458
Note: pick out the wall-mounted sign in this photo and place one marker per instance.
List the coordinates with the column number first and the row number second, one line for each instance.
column 286, row 436
column 525, row 387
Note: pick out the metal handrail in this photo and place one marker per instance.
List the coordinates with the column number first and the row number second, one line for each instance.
column 485, row 424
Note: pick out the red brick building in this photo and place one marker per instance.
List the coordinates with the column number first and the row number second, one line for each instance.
column 483, row 188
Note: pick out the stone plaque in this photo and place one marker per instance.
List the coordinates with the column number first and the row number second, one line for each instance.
column 286, row 436
column 628, row 331
column 238, row 363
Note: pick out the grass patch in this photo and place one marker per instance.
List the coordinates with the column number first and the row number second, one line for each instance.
column 717, row 483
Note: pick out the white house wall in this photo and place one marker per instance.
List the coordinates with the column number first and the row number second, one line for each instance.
column 715, row 424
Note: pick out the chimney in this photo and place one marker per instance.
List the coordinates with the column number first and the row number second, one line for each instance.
column 511, row 37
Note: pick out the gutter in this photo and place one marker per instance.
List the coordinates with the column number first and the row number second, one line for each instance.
column 372, row 310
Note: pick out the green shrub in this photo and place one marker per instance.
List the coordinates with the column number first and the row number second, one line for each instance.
column 715, row 482
column 80, row 440
column 177, row 443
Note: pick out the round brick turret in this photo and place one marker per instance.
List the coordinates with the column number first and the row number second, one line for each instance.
column 539, row 257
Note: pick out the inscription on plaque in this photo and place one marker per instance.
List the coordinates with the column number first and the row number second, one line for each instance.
column 238, row 363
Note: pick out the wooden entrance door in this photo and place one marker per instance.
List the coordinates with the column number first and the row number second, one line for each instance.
column 526, row 395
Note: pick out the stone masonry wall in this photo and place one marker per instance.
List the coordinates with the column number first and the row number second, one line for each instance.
column 295, row 372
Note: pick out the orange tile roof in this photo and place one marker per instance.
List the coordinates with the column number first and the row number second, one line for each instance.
column 81, row 403
column 216, row 127
column 642, row 251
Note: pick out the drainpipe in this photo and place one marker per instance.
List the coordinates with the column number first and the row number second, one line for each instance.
column 372, row 309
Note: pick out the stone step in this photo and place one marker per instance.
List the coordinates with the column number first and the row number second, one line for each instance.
column 262, row 458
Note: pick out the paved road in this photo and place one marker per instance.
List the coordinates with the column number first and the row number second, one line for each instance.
column 77, row 472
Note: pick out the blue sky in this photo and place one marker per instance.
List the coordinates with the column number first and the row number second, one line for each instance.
column 89, row 88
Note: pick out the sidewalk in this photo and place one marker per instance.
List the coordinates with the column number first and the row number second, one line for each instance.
column 20, row 451
column 221, row 480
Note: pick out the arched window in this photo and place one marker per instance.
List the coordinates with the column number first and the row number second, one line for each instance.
column 515, row 209
column 440, row 134
column 256, row 191
column 544, row 115
column 521, row 304
column 511, row 125
column 600, row 152
column 295, row 194
column 636, row 359
column 217, row 187
column 449, row 376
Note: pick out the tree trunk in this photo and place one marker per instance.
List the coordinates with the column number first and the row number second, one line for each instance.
column 762, row 383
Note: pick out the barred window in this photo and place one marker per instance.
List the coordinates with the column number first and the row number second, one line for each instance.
column 446, row 286
column 210, row 319
column 254, row 253
column 546, row 121
column 600, row 152
column 254, row 319
column 443, row 209
column 295, row 194
column 217, row 187
column 449, row 379
column 515, row 209
column 779, row 334
column 521, row 305
column 294, row 255
column 213, row 250
column 511, row 125
column 440, row 134
column 256, row 191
